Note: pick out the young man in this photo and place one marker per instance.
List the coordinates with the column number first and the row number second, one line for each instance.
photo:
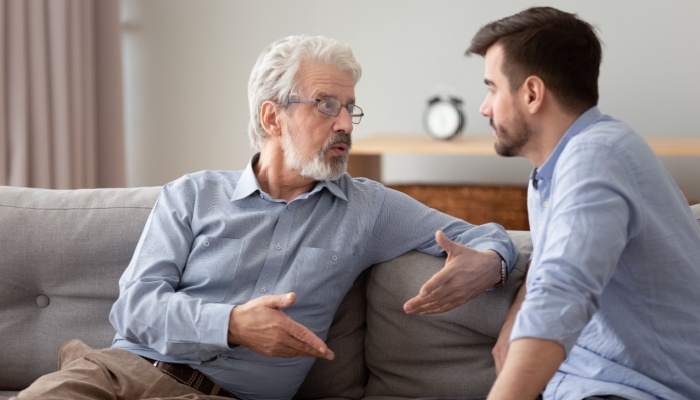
column 611, row 298
column 237, row 275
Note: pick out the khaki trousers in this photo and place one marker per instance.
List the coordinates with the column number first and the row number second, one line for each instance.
column 109, row 374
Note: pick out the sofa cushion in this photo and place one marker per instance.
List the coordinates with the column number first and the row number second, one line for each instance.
column 446, row 354
column 346, row 376
column 63, row 252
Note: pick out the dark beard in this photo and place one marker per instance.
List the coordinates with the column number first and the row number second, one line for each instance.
column 509, row 144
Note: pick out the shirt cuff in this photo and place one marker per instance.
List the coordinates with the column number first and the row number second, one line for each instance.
column 213, row 326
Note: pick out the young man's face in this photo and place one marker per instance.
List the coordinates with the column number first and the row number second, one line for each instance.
column 503, row 107
column 315, row 144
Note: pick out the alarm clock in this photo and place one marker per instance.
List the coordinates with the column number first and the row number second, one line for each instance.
column 443, row 118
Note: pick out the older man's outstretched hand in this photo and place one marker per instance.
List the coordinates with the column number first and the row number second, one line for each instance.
column 261, row 326
column 466, row 274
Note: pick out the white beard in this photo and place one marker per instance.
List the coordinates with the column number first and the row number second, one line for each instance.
column 314, row 167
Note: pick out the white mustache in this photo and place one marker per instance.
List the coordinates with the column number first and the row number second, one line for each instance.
column 339, row 138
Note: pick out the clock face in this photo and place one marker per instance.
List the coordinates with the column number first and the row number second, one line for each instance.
column 443, row 120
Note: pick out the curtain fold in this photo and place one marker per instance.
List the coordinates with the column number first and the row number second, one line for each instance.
column 60, row 73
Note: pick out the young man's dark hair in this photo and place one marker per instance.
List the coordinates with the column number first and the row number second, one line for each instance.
column 557, row 46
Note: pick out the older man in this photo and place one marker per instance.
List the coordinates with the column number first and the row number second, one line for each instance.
column 237, row 276
column 610, row 303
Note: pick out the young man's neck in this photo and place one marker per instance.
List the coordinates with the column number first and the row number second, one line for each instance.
column 552, row 126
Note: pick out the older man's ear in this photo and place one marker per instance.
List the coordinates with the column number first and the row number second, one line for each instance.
column 270, row 114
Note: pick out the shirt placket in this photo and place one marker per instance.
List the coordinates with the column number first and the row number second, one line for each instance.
column 276, row 253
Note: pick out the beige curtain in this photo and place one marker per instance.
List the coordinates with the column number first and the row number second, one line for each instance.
column 61, row 111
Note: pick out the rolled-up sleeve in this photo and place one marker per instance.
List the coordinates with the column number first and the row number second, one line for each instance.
column 585, row 225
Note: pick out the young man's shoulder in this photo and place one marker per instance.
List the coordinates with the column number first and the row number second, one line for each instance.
column 608, row 136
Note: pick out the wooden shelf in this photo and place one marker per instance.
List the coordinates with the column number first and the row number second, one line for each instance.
column 674, row 146
column 423, row 144
column 366, row 153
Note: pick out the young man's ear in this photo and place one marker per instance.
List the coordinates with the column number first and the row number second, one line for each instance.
column 533, row 93
column 270, row 118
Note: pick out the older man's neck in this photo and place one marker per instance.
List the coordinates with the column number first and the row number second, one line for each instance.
column 279, row 181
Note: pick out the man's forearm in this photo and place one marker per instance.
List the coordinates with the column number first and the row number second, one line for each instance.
column 529, row 365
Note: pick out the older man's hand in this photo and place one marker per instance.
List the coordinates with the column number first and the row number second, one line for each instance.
column 261, row 326
column 466, row 274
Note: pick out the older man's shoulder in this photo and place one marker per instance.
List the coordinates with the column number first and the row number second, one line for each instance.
column 208, row 179
column 362, row 187
column 360, row 183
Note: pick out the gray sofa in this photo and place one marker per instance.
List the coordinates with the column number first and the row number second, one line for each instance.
column 62, row 253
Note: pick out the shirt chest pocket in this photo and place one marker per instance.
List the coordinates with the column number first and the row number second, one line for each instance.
column 320, row 278
column 320, row 266
column 211, row 267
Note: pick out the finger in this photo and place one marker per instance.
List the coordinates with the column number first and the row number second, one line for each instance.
column 422, row 308
column 415, row 305
column 430, row 292
column 444, row 242
column 442, row 299
column 434, row 308
column 420, row 304
column 498, row 365
column 308, row 344
column 498, row 357
column 281, row 300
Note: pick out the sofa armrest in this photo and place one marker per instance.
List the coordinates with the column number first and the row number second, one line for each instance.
column 446, row 355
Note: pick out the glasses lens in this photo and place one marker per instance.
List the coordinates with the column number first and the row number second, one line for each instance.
column 329, row 106
column 356, row 113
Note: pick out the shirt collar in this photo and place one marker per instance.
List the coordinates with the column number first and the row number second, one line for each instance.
column 248, row 184
column 332, row 187
column 547, row 169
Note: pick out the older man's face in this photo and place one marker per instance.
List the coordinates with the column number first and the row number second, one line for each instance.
column 315, row 144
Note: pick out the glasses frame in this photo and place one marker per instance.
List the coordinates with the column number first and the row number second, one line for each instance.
column 355, row 118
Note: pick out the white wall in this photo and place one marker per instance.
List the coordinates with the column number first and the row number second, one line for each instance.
column 187, row 65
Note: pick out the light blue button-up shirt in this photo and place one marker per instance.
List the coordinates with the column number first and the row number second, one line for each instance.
column 214, row 239
column 615, row 268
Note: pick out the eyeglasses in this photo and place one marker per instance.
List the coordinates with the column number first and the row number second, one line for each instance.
column 332, row 106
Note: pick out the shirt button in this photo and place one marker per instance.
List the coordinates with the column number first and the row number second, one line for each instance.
column 206, row 243
column 263, row 290
column 278, row 246
column 334, row 257
column 545, row 203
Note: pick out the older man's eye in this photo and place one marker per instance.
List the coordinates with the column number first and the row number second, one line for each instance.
column 328, row 105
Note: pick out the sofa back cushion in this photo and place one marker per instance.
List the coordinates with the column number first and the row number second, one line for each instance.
column 444, row 355
column 63, row 252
